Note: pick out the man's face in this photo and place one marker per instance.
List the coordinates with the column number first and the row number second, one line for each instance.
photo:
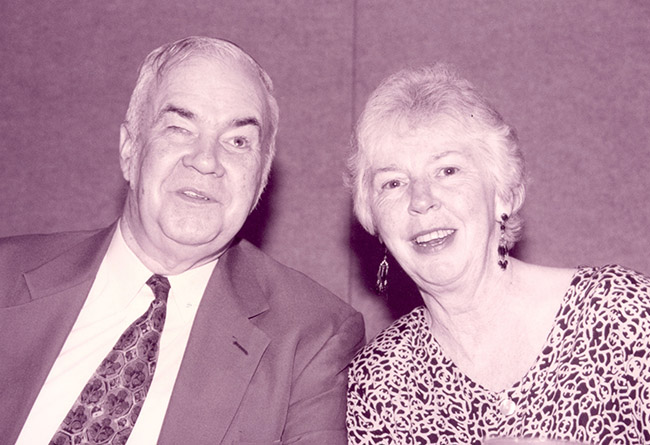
column 195, row 169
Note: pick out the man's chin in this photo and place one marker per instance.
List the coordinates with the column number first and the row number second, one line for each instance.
column 209, row 239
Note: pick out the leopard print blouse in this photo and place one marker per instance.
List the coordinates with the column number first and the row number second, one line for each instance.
column 590, row 383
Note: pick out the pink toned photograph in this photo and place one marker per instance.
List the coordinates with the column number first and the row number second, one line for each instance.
column 326, row 222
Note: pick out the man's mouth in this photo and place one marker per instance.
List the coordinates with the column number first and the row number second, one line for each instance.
column 195, row 194
column 433, row 238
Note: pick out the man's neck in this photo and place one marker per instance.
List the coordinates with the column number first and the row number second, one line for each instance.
column 163, row 263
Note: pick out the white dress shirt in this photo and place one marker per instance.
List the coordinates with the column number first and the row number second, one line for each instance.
column 118, row 296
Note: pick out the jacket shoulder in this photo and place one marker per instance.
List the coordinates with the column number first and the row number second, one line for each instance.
column 285, row 285
column 23, row 253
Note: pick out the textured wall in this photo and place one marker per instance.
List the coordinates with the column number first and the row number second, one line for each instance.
column 570, row 76
column 68, row 71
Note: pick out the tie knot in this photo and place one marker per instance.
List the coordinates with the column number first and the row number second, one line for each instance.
column 160, row 286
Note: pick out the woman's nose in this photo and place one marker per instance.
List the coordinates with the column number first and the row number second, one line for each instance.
column 423, row 197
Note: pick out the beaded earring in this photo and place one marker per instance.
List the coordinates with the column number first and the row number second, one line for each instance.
column 503, row 246
column 382, row 275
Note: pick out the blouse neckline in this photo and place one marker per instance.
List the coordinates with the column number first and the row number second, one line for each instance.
column 429, row 339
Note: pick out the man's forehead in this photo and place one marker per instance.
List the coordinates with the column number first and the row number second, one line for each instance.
column 200, row 73
column 214, row 66
column 202, row 77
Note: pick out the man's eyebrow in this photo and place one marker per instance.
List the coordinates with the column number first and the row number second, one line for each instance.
column 182, row 112
column 246, row 121
column 187, row 114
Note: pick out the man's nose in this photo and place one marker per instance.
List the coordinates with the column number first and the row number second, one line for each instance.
column 205, row 157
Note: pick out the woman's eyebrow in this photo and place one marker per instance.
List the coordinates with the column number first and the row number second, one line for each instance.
column 388, row 168
column 445, row 154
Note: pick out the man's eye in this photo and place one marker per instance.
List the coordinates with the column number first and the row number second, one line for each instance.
column 178, row 130
column 239, row 142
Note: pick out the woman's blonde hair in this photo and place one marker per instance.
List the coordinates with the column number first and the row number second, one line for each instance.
column 423, row 96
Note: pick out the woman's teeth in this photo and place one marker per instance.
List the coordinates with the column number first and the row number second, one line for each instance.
column 436, row 235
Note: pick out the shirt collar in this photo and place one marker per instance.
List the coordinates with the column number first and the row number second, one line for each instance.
column 121, row 271
column 187, row 288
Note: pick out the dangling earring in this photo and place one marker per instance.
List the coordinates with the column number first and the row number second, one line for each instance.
column 503, row 246
column 382, row 275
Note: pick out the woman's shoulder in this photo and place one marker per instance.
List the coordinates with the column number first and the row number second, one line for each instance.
column 613, row 282
column 622, row 274
column 613, row 299
column 614, row 292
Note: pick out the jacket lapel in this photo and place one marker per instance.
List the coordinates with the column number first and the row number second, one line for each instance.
column 222, row 354
column 34, row 331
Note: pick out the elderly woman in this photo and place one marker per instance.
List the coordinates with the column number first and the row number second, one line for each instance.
column 500, row 348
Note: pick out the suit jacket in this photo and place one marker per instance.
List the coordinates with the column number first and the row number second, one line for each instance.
column 265, row 363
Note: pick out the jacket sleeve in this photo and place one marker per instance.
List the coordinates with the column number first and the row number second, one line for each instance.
column 317, row 406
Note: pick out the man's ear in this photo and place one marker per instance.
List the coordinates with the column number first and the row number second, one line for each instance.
column 127, row 152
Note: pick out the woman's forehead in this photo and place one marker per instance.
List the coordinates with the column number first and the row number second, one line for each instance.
column 438, row 131
column 431, row 142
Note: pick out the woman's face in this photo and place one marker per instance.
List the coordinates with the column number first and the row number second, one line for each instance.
column 433, row 203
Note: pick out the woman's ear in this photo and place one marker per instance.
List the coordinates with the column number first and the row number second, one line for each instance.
column 518, row 197
column 511, row 205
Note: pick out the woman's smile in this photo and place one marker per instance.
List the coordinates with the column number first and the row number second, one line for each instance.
column 435, row 239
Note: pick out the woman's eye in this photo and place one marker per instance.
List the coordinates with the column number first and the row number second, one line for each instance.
column 448, row 171
column 392, row 184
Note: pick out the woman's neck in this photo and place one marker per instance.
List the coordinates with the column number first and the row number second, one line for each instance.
column 494, row 329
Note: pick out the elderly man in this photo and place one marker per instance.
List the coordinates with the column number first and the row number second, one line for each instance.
column 165, row 328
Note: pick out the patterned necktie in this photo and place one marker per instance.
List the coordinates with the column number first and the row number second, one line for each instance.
column 109, row 404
